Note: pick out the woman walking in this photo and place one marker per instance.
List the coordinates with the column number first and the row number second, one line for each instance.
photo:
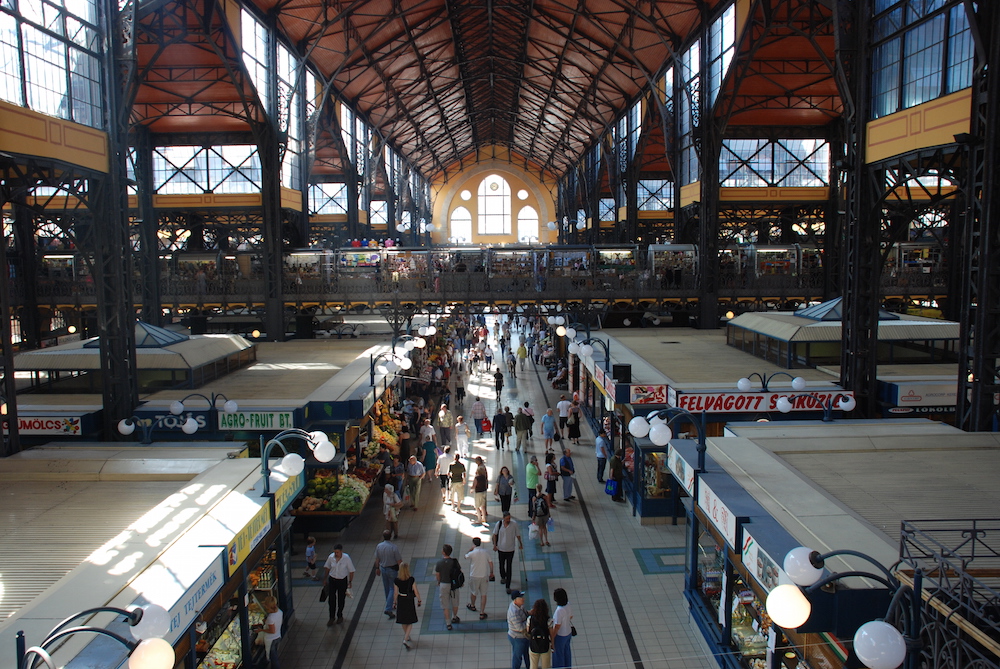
column 573, row 423
column 462, row 437
column 551, row 476
column 405, row 592
column 539, row 636
column 504, row 489
column 391, row 504
column 541, row 517
column 562, row 630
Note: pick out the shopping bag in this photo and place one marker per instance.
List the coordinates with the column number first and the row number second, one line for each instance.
column 611, row 487
column 323, row 594
column 487, row 425
column 533, row 532
column 550, row 525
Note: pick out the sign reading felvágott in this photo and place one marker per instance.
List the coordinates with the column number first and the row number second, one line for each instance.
column 751, row 402
column 256, row 420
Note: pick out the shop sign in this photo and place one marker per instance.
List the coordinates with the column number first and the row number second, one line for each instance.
column 655, row 394
column 247, row 538
column 65, row 426
column 164, row 421
column 287, row 493
column 682, row 471
column 671, row 396
column 716, row 510
column 909, row 411
column 599, row 375
column 754, row 402
column 161, row 584
column 367, row 402
column 609, row 385
column 256, row 420
column 760, row 565
column 913, row 394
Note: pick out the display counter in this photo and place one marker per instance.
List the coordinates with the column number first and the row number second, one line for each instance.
column 652, row 490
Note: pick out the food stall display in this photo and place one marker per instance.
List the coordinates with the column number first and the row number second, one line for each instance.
column 328, row 491
column 221, row 646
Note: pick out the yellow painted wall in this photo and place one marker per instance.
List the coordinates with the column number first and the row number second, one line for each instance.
column 690, row 194
column 446, row 198
column 775, row 193
column 930, row 124
column 212, row 200
column 27, row 132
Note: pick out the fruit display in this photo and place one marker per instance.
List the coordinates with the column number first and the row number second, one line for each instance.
column 335, row 493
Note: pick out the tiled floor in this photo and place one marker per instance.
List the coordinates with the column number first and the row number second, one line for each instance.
column 599, row 554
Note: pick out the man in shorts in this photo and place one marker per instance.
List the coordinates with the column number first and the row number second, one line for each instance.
column 449, row 597
column 479, row 575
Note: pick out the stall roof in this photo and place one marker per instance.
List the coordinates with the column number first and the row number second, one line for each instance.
column 156, row 352
column 792, row 327
column 829, row 488
column 98, row 534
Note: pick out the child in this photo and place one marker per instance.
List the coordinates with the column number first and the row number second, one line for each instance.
column 311, row 559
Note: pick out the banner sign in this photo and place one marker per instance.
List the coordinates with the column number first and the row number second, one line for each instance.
column 682, row 471
column 247, row 538
column 656, row 394
column 737, row 402
column 256, row 420
column 760, row 565
column 64, row 426
column 717, row 511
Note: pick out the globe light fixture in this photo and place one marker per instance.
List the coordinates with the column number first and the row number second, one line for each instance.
column 799, row 566
column 787, row 606
column 879, row 645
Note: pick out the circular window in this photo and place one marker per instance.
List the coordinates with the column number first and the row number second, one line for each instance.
column 522, row 194
column 494, row 186
column 466, row 195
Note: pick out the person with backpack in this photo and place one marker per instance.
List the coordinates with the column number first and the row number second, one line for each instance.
column 450, row 579
column 541, row 516
column 539, row 636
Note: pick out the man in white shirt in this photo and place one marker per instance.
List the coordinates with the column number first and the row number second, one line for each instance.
column 479, row 574
column 563, row 407
column 506, row 539
column 339, row 576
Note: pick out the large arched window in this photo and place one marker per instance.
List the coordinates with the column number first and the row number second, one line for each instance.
column 494, row 206
column 461, row 226
column 527, row 224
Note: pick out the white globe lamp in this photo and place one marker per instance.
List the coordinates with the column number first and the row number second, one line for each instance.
column 787, row 606
column 879, row 645
column 660, row 434
column 152, row 654
column 638, row 427
column 800, row 568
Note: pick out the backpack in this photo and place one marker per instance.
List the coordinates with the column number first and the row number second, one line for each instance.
column 541, row 507
column 538, row 638
column 457, row 575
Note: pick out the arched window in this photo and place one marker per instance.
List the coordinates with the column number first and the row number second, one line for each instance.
column 494, row 206
column 527, row 225
column 461, row 226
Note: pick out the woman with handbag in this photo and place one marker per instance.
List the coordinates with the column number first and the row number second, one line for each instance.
column 562, row 630
column 539, row 636
column 573, row 423
column 551, row 475
column 504, row 489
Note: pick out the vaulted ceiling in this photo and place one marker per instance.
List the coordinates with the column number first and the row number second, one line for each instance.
column 441, row 80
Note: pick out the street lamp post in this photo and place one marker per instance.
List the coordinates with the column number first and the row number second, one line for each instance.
column 585, row 350
column 656, row 425
column 293, row 463
column 127, row 426
column 878, row 644
column 147, row 649
column 746, row 385
column 392, row 363
column 839, row 401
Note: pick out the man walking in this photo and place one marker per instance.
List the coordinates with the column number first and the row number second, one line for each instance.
column 478, row 413
column 498, row 382
column 517, row 631
column 338, row 575
column 387, row 561
column 566, row 471
column 603, row 448
column 500, row 428
column 449, row 597
column 563, row 407
column 506, row 537
column 522, row 425
column 414, row 480
column 479, row 575
column 456, row 471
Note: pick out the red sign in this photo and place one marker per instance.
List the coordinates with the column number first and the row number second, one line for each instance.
column 655, row 394
column 754, row 402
